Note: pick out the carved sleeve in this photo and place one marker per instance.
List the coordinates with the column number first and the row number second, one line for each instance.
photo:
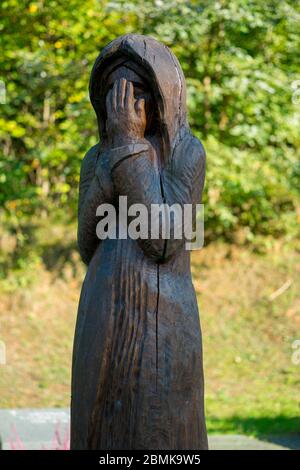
column 94, row 189
column 183, row 182
column 135, row 176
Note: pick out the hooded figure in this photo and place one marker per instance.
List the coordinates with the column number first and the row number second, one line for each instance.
column 137, row 377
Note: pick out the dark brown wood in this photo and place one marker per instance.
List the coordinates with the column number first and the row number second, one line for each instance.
column 137, row 378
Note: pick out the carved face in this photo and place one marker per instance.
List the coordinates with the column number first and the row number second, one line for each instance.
column 141, row 88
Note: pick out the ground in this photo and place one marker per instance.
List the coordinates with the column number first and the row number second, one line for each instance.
column 252, row 385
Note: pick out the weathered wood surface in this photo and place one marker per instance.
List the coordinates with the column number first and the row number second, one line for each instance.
column 137, row 379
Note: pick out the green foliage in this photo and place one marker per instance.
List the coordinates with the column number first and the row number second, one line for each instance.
column 240, row 61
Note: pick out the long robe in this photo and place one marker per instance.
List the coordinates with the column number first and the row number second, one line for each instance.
column 137, row 377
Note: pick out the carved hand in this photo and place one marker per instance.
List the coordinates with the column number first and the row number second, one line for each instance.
column 126, row 116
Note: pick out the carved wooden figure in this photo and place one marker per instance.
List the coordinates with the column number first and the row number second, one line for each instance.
column 137, row 377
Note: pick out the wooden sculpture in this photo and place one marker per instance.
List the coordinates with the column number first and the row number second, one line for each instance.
column 137, row 378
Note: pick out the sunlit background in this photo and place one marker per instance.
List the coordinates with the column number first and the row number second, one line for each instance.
column 241, row 62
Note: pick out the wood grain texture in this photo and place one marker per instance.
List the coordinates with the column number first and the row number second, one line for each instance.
column 137, row 378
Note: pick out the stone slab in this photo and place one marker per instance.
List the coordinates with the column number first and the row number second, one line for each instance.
column 36, row 430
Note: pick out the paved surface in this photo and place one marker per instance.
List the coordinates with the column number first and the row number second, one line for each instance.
column 36, row 429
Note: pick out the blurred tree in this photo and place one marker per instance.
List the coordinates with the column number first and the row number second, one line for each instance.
column 240, row 61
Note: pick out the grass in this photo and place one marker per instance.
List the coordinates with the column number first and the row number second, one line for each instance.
column 252, row 386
